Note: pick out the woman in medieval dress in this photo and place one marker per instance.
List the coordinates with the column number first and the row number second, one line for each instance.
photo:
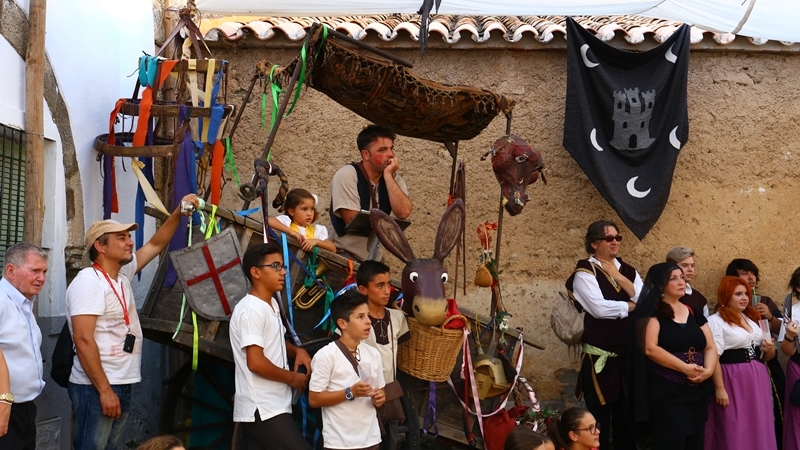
column 681, row 359
column 742, row 417
column 789, row 347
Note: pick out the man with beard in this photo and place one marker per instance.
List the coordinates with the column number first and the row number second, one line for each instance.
column 370, row 183
column 607, row 289
column 101, row 313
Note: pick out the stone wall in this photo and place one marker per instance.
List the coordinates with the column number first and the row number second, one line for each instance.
column 734, row 194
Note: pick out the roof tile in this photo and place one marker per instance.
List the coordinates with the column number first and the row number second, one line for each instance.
column 451, row 28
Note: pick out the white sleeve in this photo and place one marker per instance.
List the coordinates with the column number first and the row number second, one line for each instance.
column 587, row 292
column 637, row 288
column 252, row 327
column 320, row 232
column 344, row 190
column 284, row 219
column 718, row 332
column 86, row 296
column 321, row 369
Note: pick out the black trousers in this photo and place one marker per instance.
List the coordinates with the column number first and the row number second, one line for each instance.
column 21, row 428
column 663, row 439
column 611, row 417
column 278, row 433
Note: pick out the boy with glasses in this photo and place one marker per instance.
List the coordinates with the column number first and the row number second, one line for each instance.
column 607, row 289
column 264, row 380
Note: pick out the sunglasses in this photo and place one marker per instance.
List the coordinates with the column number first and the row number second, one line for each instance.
column 617, row 238
column 276, row 265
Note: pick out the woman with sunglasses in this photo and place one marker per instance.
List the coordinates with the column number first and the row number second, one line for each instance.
column 742, row 417
column 675, row 358
column 789, row 346
column 575, row 430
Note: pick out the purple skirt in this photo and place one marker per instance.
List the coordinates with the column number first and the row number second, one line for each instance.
column 791, row 414
column 747, row 423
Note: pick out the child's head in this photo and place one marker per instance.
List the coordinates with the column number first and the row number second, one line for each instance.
column 373, row 280
column 301, row 206
column 575, row 429
column 524, row 438
column 263, row 266
column 351, row 314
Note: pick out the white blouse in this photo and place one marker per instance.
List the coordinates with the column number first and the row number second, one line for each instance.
column 727, row 337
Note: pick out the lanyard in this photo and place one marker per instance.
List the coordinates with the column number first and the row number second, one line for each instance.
column 122, row 301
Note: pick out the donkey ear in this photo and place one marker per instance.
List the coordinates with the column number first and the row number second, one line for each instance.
column 391, row 236
column 450, row 229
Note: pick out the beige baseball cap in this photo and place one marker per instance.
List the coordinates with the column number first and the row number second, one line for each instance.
column 102, row 227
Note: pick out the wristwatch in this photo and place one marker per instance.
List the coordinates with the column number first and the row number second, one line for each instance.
column 347, row 394
column 8, row 397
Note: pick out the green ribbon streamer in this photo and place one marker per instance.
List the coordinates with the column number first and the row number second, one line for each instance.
column 263, row 110
column 230, row 162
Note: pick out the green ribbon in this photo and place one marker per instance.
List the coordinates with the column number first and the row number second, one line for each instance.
column 230, row 162
column 602, row 355
column 264, row 110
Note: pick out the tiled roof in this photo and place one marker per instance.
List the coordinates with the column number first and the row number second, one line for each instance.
column 452, row 29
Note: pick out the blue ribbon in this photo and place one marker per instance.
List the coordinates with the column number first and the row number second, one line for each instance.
column 247, row 212
column 288, row 281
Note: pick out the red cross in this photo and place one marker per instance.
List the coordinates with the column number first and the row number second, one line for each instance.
column 213, row 273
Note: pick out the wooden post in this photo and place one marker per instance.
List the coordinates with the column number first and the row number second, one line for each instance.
column 34, row 124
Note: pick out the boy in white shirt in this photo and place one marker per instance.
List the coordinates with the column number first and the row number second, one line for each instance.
column 264, row 381
column 347, row 379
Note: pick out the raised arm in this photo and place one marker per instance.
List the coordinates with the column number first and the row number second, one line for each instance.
column 163, row 235
column 401, row 204
column 589, row 295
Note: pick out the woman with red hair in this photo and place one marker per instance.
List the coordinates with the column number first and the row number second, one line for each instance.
column 741, row 417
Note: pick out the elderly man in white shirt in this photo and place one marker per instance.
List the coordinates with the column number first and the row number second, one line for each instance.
column 608, row 289
column 21, row 371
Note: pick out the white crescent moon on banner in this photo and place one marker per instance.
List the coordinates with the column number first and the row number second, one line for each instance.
column 586, row 61
column 671, row 57
column 632, row 189
column 673, row 138
column 593, row 138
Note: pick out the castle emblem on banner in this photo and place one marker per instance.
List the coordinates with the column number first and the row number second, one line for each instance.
column 632, row 112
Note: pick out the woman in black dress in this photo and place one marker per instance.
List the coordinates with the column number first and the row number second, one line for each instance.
column 680, row 359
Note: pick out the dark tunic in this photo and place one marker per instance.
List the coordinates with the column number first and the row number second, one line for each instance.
column 608, row 334
column 696, row 300
column 682, row 407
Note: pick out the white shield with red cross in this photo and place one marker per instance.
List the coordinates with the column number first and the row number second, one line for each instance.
column 211, row 275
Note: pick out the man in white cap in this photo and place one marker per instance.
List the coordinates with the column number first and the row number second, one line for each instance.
column 105, row 327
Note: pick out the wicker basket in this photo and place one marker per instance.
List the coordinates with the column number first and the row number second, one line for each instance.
column 431, row 352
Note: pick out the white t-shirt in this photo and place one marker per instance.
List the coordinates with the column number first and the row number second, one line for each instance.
column 399, row 327
column 256, row 322
column 795, row 317
column 727, row 337
column 90, row 294
column 350, row 424
column 320, row 232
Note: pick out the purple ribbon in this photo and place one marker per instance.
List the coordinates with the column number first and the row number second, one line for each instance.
column 430, row 415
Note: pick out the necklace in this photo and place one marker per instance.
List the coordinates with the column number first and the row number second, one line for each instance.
column 356, row 354
column 380, row 329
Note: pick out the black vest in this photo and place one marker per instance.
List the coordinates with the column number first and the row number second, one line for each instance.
column 365, row 198
column 608, row 334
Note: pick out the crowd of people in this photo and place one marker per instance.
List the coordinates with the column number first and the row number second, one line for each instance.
column 658, row 358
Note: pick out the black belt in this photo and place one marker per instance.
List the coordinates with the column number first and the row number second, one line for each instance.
column 740, row 355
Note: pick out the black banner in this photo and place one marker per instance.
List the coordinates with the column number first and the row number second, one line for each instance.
column 626, row 120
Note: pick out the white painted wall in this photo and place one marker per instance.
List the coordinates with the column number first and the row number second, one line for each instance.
column 94, row 46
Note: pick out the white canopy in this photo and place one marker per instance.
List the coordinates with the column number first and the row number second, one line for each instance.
column 764, row 19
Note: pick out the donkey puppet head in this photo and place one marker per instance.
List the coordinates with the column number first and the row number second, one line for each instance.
column 423, row 279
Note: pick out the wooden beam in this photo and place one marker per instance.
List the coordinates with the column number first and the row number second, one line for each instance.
column 34, row 124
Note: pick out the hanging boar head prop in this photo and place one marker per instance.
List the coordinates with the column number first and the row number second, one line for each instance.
column 516, row 165
column 423, row 279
